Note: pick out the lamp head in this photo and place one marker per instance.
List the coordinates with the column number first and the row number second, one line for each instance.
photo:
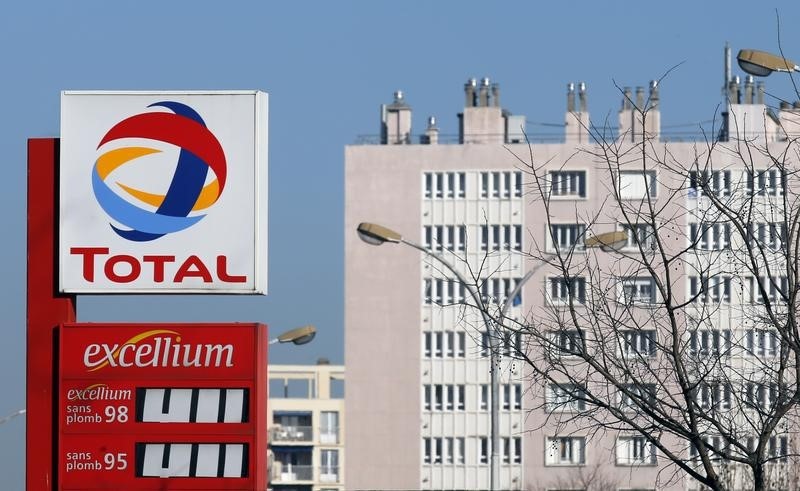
column 611, row 240
column 761, row 63
column 374, row 234
column 300, row 335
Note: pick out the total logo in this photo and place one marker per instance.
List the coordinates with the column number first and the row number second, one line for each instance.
column 144, row 215
column 187, row 192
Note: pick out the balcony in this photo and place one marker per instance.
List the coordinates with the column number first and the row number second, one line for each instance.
column 329, row 474
column 329, row 436
column 284, row 434
column 289, row 473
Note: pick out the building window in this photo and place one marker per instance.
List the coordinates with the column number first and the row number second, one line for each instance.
column 512, row 450
column 440, row 185
column 439, row 238
column 630, row 397
column 713, row 395
column 329, row 427
column 714, row 444
column 565, row 397
column 635, row 450
column 710, row 236
column 501, row 185
column 637, row 184
column 483, row 450
column 329, row 469
column 568, row 184
column 443, row 291
column 511, row 397
column 486, row 344
column 639, row 234
column 512, row 344
column 761, row 396
column 775, row 289
column 497, row 290
column 638, row 343
column 447, row 344
column 455, row 345
column 715, row 289
column 777, row 447
column 443, row 397
column 762, row 343
column 561, row 288
column 710, row 342
column 566, row 343
column 432, row 450
column 566, row 237
column 501, row 238
column 565, row 450
column 717, row 182
column 765, row 182
column 453, row 450
column 509, row 345
column 639, row 290
column 771, row 236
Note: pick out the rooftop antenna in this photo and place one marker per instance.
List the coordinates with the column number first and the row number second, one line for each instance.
column 727, row 70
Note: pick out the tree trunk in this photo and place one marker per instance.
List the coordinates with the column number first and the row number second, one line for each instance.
column 758, row 477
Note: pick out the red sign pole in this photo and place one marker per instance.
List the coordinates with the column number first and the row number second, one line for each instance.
column 46, row 310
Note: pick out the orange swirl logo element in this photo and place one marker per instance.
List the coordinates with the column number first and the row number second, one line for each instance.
column 157, row 348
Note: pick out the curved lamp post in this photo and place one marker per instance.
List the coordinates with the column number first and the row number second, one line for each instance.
column 375, row 234
column 300, row 335
column 761, row 63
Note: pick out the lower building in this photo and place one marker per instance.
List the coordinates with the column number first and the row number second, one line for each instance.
column 305, row 420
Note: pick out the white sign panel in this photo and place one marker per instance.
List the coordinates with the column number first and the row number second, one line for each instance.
column 163, row 192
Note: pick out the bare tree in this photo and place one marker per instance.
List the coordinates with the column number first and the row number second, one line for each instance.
column 684, row 340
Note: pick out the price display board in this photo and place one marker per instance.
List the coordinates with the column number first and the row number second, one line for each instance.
column 162, row 406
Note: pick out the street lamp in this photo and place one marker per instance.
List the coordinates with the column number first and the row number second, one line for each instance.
column 300, row 335
column 761, row 63
column 377, row 234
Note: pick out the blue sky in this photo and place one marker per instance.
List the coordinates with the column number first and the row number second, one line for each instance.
column 328, row 66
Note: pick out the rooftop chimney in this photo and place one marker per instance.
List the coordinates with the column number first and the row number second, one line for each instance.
column 626, row 99
column 640, row 120
column 396, row 121
column 496, row 94
column 748, row 89
column 483, row 93
column 582, row 96
column 483, row 120
column 570, row 97
column 654, row 94
column 576, row 123
column 431, row 136
column 469, row 92
column 734, row 94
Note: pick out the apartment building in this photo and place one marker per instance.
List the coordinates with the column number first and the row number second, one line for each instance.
column 306, row 427
column 418, row 361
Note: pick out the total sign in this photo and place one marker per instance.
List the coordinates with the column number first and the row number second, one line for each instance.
column 163, row 192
